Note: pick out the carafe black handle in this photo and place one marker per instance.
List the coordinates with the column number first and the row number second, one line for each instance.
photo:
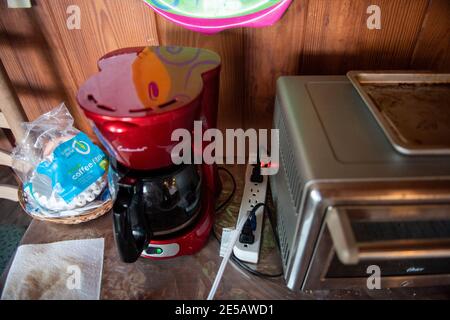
column 130, row 226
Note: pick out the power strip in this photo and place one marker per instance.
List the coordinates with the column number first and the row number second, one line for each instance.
column 254, row 193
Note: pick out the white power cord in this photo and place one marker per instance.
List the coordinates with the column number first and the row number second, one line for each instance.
column 227, row 256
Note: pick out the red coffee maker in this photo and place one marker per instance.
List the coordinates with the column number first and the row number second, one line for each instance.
column 139, row 97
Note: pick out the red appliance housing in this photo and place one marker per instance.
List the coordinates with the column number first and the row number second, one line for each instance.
column 139, row 97
column 123, row 129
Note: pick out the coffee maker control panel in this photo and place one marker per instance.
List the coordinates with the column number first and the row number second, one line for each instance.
column 161, row 250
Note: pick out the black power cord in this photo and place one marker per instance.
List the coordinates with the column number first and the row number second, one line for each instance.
column 245, row 267
column 235, row 259
column 227, row 200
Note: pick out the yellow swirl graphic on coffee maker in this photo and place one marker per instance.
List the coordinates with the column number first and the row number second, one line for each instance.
column 151, row 79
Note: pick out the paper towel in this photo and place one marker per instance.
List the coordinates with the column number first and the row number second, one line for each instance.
column 67, row 270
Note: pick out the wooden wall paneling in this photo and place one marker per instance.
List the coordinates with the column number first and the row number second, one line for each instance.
column 47, row 62
column 5, row 144
column 28, row 60
column 57, row 54
column 230, row 45
column 432, row 49
column 271, row 52
column 337, row 38
column 106, row 25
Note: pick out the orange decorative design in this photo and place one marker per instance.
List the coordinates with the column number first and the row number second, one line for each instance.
column 151, row 79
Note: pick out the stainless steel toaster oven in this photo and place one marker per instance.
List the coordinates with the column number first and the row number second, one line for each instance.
column 347, row 201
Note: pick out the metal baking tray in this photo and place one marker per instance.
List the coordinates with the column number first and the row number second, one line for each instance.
column 412, row 108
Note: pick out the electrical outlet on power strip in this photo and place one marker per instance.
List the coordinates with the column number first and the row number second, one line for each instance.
column 254, row 193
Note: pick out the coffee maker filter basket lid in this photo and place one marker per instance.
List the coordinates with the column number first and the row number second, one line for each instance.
column 141, row 82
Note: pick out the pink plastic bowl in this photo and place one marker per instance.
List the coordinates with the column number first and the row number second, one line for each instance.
column 262, row 18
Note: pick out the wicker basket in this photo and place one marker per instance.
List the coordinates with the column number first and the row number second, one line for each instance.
column 91, row 215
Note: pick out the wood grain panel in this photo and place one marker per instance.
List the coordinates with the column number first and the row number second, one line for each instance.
column 106, row 25
column 29, row 61
column 58, row 53
column 337, row 38
column 230, row 46
column 47, row 62
column 433, row 45
column 270, row 53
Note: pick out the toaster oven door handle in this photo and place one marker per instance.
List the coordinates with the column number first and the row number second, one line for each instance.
column 349, row 251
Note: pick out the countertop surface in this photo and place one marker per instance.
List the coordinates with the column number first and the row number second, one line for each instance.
column 191, row 277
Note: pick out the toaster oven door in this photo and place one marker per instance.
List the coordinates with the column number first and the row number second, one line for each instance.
column 379, row 247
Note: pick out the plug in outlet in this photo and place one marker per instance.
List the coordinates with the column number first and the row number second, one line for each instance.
column 247, row 248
